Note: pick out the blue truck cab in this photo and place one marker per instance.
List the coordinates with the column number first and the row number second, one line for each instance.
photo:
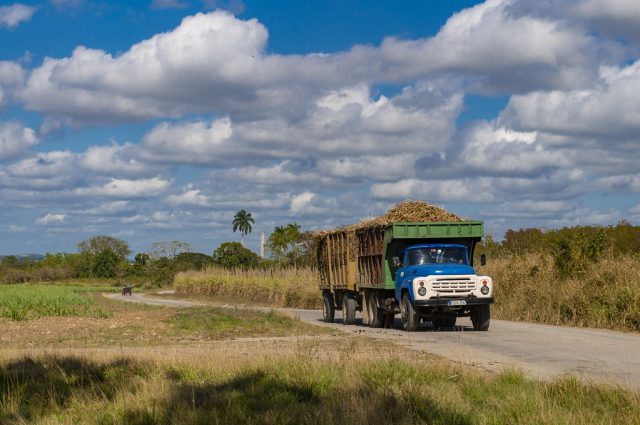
column 435, row 282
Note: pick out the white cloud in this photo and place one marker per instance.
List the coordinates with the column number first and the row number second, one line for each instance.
column 487, row 41
column 528, row 209
column 344, row 122
column 125, row 188
column 109, row 208
column 310, row 204
column 15, row 139
column 216, row 63
column 115, row 159
column 188, row 142
column 466, row 190
column 51, row 219
column 189, row 197
column 610, row 108
column 14, row 15
column 614, row 17
column 160, row 216
column 491, row 149
column 11, row 76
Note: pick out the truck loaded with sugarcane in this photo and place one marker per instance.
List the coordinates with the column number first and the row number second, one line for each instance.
column 416, row 260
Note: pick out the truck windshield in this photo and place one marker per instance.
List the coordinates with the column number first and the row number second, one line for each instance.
column 455, row 255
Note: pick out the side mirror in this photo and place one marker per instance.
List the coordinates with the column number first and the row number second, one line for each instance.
column 396, row 262
column 483, row 259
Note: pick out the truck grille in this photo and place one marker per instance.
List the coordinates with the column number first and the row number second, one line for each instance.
column 453, row 287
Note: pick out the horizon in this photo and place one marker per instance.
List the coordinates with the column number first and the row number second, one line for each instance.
column 159, row 120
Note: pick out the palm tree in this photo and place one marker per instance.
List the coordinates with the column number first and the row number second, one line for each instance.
column 242, row 221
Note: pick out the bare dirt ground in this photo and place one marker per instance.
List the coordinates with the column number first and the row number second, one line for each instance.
column 540, row 350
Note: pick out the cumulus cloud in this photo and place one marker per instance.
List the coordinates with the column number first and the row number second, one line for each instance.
column 15, row 139
column 115, row 159
column 216, row 63
column 126, row 188
column 11, row 77
column 614, row 17
column 189, row 197
column 51, row 219
column 528, row 209
column 108, row 208
column 14, row 15
column 347, row 121
column 465, row 190
column 503, row 50
column 606, row 109
column 492, row 149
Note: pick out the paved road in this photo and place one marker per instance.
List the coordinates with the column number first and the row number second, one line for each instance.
column 540, row 350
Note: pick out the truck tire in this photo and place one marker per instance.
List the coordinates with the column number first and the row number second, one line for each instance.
column 480, row 317
column 348, row 309
column 328, row 308
column 410, row 318
column 376, row 314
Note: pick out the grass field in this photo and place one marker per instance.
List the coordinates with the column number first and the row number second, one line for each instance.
column 22, row 302
column 298, row 384
column 154, row 365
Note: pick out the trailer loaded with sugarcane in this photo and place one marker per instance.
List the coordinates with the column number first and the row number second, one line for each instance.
column 416, row 260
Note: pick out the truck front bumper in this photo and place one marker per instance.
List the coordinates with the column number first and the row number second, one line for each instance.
column 453, row 302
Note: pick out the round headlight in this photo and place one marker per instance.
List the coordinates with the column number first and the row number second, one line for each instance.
column 422, row 291
column 484, row 290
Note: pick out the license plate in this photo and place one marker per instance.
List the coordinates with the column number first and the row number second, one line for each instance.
column 457, row 302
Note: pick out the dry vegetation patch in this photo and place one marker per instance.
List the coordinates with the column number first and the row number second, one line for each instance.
column 292, row 287
column 301, row 381
column 605, row 295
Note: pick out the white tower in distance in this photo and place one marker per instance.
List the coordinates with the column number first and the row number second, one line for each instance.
column 263, row 245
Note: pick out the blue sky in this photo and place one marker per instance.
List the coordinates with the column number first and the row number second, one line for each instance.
column 157, row 120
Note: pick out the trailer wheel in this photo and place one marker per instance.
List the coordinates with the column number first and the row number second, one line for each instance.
column 410, row 318
column 376, row 314
column 348, row 309
column 328, row 308
column 480, row 317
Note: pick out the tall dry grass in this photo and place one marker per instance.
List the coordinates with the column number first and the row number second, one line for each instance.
column 605, row 295
column 293, row 287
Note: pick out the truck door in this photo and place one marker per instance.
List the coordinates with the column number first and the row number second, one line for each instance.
column 400, row 276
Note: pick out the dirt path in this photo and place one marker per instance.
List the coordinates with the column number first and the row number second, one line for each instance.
column 540, row 350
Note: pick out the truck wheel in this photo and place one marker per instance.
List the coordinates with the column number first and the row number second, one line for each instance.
column 410, row 318
column 348, row 309
column 328, row 309
column 376, row 314
column 480, row 317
